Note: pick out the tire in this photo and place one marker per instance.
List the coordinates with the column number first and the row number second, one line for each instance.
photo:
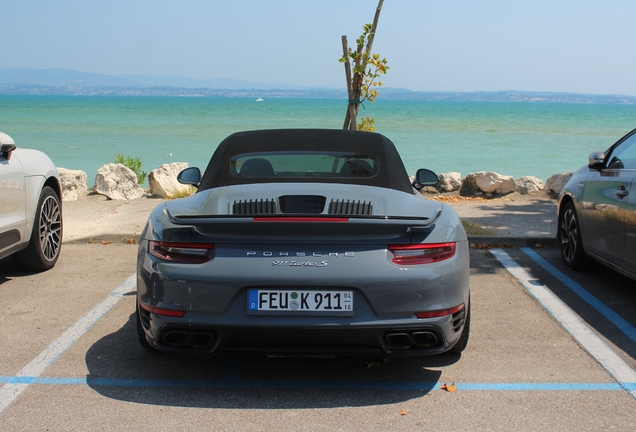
column 461, row 344
column 572, row 251
column 141, row 334
column 46, row 236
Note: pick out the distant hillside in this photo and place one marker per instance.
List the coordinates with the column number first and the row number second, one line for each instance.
column 509, row 96
column 66, row 77
column 60, row 77
column 19, row 81
column 213, row 83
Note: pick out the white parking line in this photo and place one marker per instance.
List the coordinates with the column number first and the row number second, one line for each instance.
column 10, row 391
column 596, row 347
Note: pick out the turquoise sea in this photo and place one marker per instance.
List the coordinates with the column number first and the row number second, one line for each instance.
column 511, row 138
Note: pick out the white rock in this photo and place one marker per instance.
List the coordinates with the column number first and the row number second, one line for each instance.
column 529, row 184
column 73, row 184
column 556, row 183
column 117, row 182
column 450, row 182
column 491, row 182
column 163, row 180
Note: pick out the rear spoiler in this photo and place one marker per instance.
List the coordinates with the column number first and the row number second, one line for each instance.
column 306, row 228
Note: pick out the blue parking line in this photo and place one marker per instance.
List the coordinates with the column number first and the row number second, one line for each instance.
column 628, row 329
column 314, row 385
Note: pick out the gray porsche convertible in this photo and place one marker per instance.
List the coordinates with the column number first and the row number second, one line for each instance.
column 304, row 242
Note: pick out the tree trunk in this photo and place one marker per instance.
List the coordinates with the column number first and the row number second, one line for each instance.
column 354, row 86
column 345, row 51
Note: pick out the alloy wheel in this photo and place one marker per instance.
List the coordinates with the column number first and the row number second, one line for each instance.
column 50, row 228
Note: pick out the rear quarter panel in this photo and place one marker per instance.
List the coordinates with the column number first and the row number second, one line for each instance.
column 38, row 169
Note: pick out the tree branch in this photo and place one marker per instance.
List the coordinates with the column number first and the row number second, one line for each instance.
column 354, row 86
column 374, row 27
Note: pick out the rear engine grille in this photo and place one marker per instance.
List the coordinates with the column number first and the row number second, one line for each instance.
column 302, row 204
column 458, row 320
column 350, row 208
column 250, row 207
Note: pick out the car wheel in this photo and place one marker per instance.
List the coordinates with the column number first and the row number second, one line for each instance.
column 141, row 334
column 46, row 236
column 572, row 251
column 461, row 344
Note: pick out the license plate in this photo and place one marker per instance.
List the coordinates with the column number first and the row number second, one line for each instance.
column 299, row 302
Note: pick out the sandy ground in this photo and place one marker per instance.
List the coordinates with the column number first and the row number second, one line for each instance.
column 96, row 218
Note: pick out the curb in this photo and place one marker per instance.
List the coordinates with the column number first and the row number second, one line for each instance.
column 119, row 238
column 478, row 241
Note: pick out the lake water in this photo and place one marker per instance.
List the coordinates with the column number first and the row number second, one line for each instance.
column 511, row 138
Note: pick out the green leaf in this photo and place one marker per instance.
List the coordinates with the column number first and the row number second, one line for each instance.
column 134, row 164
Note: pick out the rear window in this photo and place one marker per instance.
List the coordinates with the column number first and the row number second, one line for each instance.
column 306, row 156
column 303, row 164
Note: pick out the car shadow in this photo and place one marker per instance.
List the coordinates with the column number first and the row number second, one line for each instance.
column 5, row 269
column 611, row 289
column 119, row 368
column 9, row 270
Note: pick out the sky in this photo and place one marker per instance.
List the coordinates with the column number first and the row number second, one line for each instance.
column 580, row 46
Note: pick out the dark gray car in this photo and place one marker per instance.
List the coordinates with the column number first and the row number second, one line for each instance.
column 304, row 242
column 597, row 210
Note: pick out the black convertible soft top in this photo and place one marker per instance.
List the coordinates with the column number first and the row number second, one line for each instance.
column 389, row 172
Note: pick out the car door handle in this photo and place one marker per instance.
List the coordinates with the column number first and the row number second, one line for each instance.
column 621, row 192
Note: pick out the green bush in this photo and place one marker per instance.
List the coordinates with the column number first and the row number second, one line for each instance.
column 183, row 193
column 134, row 164
column 472, row 228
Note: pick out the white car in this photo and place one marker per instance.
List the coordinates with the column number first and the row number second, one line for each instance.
column 30, row 207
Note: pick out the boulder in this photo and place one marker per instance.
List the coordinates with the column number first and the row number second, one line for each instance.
column 117, row 182
column 555, row 184
column 490, row 183
column 163, row 180
column 73, row 184
column 429, row 190
column 529, row 184
column 450, row 182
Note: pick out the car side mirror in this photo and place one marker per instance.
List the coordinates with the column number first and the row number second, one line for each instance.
column 190, row 176
column 596, row 160
column 425, row 177
column 6, row 150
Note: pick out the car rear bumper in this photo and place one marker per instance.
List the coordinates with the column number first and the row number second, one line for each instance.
column 304, row 336
column 214, row 300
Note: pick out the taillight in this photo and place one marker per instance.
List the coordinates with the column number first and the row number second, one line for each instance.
column 188, row 253
column 412, row 254
column 440, row 313
column 164, row 312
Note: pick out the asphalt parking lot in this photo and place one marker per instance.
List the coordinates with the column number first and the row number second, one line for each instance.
column 71, row 360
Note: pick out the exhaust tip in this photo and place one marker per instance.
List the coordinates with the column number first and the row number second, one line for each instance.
column 399, row 341
column 201, row 340
column 175, row 338
column 424, row 339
